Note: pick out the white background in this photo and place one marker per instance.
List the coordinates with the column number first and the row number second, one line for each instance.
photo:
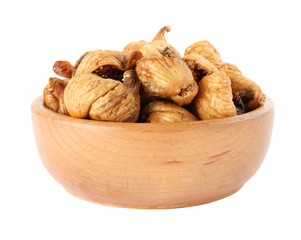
column 261, row 37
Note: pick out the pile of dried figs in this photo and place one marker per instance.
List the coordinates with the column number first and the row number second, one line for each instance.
column 151, row 82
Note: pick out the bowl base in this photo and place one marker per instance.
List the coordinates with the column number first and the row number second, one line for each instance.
column 154, row 207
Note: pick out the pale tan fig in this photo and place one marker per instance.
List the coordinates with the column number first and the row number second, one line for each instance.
column 249, row 91
column 149, row 50
column 108, row 64
column 207, row 50
column 128, row 61
column 134, row 57
column 168, row 78
column 134, row 46
column 80, row 59
column 122, row 57
column 162, row 111
column 53, row 95
column 214, row 99
column 161, row 44
column 199, row 65
column 158, row 47
column 99, row 60
column 90, row 96
column 229, row 66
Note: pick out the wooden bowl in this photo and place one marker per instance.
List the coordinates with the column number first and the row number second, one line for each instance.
column 147, row 165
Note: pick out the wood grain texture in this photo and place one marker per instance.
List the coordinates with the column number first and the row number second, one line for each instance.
column 152, row 165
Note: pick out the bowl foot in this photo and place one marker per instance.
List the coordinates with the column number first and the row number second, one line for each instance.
column 187, row 204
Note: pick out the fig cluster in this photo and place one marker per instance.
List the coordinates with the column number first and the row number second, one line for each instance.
column 151, row 82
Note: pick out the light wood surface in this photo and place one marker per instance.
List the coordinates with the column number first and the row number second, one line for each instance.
column 152, row 165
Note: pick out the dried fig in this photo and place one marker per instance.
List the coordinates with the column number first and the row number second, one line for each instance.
column 99, row 62
column 53, row 95
column 105, row 84
column 122, row 57
column 134, row 46
column 89, row 95
column 162, row 111
column 207, row 50
column 80, row 60
column 158, row 47
column 214, row 99
column 134, row 57
column 161, row 44
column 249, row 91
column 149, row 50
column 64, row 69
column 108, row 64
column 229, row 66
column 168, row 78
column 199, row 66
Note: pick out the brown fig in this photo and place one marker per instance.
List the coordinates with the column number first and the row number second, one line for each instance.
column 53, row 95
column 249, row 91
column 214, row 99
column 168, row 78
column 199, row 66
column 207, row 50
column 162, row 111
column 90, row 96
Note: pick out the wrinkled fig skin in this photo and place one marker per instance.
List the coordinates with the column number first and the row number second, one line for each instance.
column 167, row 78
column 122, row 57
column 249, row 91
column 199, row 66
column 97, row 59
column 134, row 46
column 158, row 47
column 134, row 57
column 229, row 66
column 53, row 95
column 80, row 60
column 162, row 112
column 160, row 43
column 148, row 50
column 108, row 63
column 90, row 96
column 171, row 52
column 207, row 50
column 110, row 71
column 214, row 99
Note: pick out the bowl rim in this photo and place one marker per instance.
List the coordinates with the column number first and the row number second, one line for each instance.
column 38, row 107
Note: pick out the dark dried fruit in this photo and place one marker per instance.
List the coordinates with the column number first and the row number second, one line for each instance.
column 240, row 107
column 64, row 69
